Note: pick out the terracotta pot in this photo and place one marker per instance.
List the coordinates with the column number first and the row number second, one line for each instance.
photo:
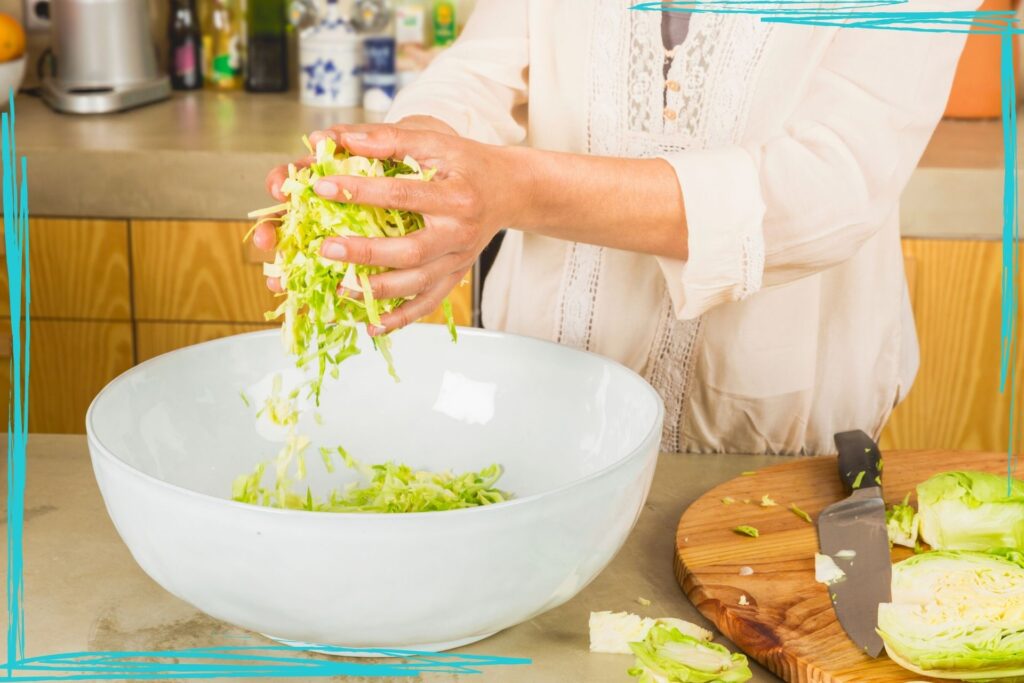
column 976, row 88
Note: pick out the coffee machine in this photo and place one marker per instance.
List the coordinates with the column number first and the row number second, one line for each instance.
column 102, row 57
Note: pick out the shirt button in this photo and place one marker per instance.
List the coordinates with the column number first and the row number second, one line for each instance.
column 670, row 114
column 672, row 85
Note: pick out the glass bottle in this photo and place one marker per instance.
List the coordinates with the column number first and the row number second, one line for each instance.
column 184, row 40
column 222, row 45
column 266, row 64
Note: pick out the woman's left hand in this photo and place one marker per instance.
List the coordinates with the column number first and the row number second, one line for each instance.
column 474, row 194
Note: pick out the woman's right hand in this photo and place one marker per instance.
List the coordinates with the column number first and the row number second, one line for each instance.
column 265, row 235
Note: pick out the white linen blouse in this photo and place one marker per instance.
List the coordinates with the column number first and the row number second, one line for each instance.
column 790, row 319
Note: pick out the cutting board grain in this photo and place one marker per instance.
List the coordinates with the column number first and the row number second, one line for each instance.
column 788, row 625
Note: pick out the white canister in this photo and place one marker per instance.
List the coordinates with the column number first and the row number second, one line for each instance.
column 330, row 60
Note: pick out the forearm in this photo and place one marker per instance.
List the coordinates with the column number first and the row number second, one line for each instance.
column 629, row 204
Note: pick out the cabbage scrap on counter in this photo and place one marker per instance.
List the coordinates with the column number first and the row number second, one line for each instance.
column 385, row 488
column 320, row 325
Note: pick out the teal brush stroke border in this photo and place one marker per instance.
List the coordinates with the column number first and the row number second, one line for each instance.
column 227, row 662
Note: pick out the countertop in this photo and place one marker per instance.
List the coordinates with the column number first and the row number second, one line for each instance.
column 84, row 592
column 204, row 155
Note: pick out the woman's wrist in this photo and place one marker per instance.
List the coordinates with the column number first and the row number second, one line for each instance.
column 520, row 174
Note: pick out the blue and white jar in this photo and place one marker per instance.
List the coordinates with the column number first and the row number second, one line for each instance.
column 330, row 60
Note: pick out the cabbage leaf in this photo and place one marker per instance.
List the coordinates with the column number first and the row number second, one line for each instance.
column 971, row 511
column 666, row 655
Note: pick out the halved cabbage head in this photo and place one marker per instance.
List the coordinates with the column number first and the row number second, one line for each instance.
column 957, row 614
column 971, row 511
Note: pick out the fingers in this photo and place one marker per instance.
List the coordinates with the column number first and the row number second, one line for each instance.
column 275, row 179
column 406, row 284
column 414, row 309
column 384, row 141
column 392, row 252
column 265, row 236
column 274, row 285
column 386, row 193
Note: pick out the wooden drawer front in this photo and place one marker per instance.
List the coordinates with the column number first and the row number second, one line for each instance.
column 71, row 362
column 198, row 271
column 79, row 270
column 153, row 339
column 955, row 400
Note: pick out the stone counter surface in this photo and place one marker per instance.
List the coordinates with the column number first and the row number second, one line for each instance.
column 204, row 155
column 84, row 592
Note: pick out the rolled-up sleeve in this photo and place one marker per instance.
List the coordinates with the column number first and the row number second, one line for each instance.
column 479, row 85
column 775, row 210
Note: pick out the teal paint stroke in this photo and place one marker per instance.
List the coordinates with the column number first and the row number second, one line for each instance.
column 227, row 662
column 858, row 14
column 214, row 662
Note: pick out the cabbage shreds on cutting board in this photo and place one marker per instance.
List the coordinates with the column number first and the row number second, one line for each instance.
column 385, row 488
column 320, row 325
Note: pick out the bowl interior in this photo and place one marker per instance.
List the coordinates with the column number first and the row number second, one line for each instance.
column 548, row 414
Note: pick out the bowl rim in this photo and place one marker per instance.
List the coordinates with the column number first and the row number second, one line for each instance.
column 97, row 446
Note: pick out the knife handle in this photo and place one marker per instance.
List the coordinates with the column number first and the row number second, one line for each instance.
column 860, row 461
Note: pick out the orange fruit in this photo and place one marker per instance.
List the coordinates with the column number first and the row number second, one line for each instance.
column 12, row 38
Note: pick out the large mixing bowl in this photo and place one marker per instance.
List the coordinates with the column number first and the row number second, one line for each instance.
column 577, row 435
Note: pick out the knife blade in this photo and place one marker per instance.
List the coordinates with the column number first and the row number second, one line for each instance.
column 852, row 532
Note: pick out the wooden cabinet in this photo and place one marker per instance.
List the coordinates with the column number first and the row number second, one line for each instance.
column 81, row 319
column 79, row 270
column 71, row 361
column 955, row 401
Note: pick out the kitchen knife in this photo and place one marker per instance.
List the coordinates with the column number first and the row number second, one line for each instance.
column 852, row 532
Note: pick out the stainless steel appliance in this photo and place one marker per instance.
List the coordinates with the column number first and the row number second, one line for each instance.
column 103, row 57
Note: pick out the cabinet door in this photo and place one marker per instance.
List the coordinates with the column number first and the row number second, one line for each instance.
column 153, row 339
column 71, row 361
column 955, row 401
column 197, row 271
column 79, row 270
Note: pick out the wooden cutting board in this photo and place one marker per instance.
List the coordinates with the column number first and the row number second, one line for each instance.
column 788, row 625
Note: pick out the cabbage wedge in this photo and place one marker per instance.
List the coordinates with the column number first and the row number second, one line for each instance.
column 957, row 615
column 971, row 511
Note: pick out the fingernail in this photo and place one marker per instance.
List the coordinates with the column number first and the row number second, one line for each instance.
column 355, row 135
column 376, row 330
column 325, row 188
column 276, row 190
column 334, row 251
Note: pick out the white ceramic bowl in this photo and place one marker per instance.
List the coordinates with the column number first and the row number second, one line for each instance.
column 11, row 74
column 577, row 434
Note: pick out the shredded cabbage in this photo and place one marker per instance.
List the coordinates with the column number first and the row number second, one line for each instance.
column 387, row 487
column 971, row 511
column 902, row 524
column 957, row 614
column 320, row 325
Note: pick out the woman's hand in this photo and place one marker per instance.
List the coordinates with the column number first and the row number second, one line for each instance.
column 474, row 193
column 265, row 235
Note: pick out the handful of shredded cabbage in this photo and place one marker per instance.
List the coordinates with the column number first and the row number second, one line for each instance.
column 320, row 325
